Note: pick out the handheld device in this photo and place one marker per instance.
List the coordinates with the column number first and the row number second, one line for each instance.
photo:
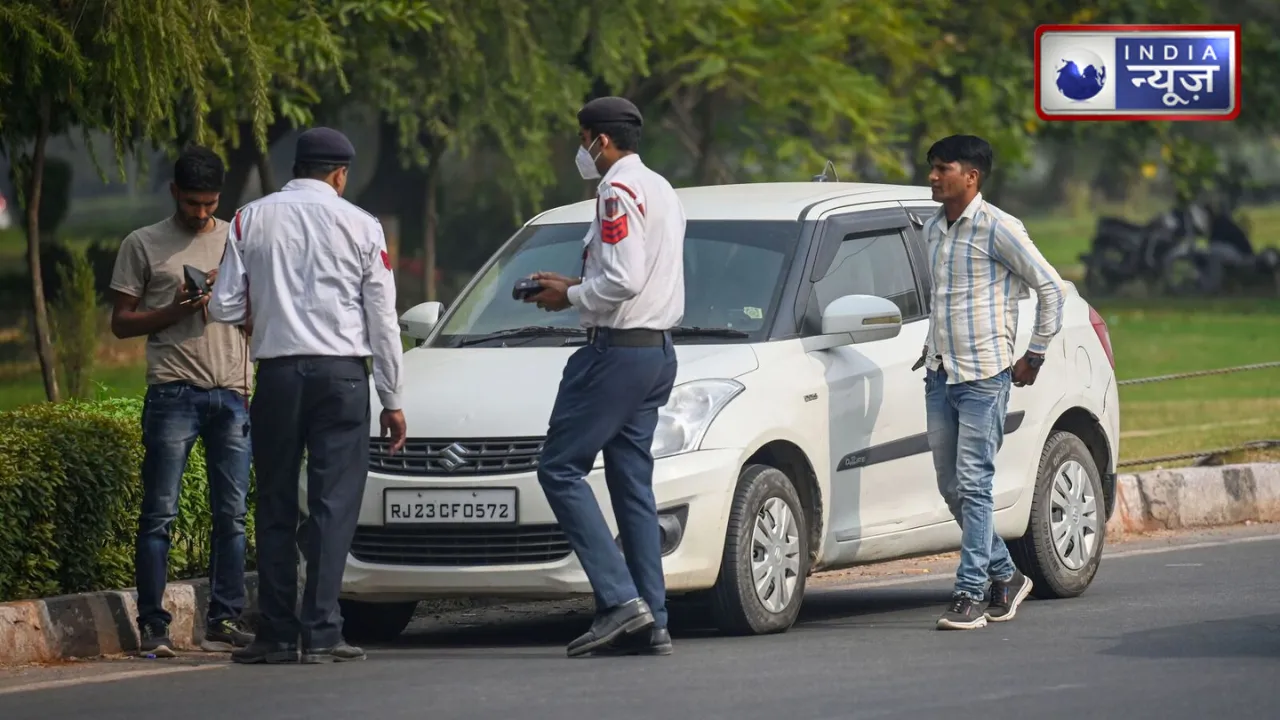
column 197, row 281
column 525, row 288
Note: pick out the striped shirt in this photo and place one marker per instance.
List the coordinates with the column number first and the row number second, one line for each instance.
column 983, row 264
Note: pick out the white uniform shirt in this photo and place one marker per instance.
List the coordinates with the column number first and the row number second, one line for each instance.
column 633, row 268
column 983, row 264
column 313, row 271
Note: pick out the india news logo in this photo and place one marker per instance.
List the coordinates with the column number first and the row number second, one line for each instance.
column 1137, row 72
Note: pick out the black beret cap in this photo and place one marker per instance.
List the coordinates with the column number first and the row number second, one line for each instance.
column 324, row 145
column 609, row 110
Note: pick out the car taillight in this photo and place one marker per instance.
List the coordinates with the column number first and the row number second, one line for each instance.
column 1104, row 335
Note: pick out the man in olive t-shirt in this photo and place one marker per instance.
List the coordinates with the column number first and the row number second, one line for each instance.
column 198, row 385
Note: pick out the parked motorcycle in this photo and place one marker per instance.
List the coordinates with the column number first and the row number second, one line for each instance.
column 1167, row 254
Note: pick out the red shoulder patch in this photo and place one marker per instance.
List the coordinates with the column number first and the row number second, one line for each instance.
column 386, row 260
column 614, row 231
column 239, row 230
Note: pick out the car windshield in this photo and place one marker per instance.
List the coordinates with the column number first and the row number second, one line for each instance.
column 733, row 271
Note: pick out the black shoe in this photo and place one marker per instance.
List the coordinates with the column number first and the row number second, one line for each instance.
column 655, row 642
column 628, row 618
column 342, row 652
column 225, row 636
column 1006, row 596
column 265, row 651
column 153, row 639
column 964, row 614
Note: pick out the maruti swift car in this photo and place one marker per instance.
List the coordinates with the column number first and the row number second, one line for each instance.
column 795, row 438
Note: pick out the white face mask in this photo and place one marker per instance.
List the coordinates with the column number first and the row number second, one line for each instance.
column 586, row 164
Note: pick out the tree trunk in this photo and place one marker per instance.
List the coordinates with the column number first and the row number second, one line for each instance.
column 432, row 222
column 266, row 178
column 44, row 340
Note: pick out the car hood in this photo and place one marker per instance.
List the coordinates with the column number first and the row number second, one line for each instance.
column 509, row 392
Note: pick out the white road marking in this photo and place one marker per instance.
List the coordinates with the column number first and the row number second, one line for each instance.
column 106, row 677
column 1185, row 565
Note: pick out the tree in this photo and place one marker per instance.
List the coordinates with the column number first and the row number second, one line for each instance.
column 120, row 68
column 485, row 74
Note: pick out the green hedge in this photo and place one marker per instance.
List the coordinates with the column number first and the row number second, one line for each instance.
column 70, row 495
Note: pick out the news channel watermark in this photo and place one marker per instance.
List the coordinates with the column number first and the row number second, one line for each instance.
column 1137, row 72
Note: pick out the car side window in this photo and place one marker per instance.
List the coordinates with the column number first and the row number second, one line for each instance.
column 868, row 264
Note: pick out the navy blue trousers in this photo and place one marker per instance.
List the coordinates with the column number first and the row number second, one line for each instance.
column 609, row 400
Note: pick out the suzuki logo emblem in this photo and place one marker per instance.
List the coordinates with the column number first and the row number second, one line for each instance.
column 454, row 457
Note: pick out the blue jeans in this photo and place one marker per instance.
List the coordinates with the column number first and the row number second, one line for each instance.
column 608, row 401
column 966, row 429
column 173, row 416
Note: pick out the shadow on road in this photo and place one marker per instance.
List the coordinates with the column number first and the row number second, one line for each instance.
column 1257, row 636
column 529, row 628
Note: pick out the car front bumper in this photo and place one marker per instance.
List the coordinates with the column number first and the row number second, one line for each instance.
column 692, row 490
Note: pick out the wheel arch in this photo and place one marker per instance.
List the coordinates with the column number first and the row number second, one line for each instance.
column 793, row 462
column 1085, row 425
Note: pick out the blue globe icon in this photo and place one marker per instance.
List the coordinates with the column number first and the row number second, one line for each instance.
column 1081, row 74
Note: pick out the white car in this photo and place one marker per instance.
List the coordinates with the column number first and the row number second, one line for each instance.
column 794, row 441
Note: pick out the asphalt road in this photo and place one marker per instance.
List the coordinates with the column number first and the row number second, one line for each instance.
column 1173, row 627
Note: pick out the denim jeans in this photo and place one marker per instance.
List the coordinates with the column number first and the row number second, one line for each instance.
column 173, row 416
column 966, row 430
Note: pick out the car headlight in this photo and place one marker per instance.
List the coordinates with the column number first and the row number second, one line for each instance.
column 688, row 413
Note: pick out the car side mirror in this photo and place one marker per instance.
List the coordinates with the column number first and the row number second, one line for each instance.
column 418, row 321
column 856, row 319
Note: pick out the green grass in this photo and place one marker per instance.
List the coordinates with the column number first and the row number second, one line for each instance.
column 1164, row 337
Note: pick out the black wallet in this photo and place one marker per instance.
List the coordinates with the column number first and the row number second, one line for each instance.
column 197, row 281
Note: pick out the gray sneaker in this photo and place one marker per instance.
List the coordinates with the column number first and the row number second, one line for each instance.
column 225, row 636
column 1007, row 596
column 342, row 652
column 153, row 640
column 963, row 614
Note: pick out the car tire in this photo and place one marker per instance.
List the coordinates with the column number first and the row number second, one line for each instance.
column 736, row 607
column 1077, row 510
column 366, row 622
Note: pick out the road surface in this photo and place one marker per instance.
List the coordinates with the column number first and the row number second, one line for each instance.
column 1180, row 626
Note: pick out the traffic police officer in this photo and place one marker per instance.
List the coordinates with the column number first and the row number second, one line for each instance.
column 312, row 271
column 630, row 295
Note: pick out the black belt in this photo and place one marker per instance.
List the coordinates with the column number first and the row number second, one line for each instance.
column 627, row 337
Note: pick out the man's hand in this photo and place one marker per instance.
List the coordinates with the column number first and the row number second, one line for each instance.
column 213, row 275
column 392, row 422
column 183, row 302
column 1023, row 372
column 554, row 296
column 568, row 281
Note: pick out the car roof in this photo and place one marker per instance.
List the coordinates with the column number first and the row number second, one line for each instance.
column 756, row 201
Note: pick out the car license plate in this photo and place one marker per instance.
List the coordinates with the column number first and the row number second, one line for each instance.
column 447, row 506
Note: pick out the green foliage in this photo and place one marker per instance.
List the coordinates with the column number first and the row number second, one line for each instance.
column 76, row 319
column 70, row 495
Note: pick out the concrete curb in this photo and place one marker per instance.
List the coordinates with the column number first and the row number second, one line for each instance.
column 90, row 625
column 1196, row 497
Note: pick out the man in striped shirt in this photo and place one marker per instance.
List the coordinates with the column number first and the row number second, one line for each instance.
column 983, row 264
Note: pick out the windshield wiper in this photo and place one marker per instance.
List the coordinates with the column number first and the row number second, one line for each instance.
column 527, row 331
column 722, row 332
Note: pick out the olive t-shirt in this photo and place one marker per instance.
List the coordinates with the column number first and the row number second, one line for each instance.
column 204, row 353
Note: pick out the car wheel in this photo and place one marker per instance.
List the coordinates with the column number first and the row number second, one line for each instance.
column 374, row 622
column 1062, row 547
column 766, row 556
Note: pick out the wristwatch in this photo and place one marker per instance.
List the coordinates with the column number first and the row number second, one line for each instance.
column 1034, row 360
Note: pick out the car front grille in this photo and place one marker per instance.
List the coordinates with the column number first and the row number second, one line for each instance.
column 460, row 547
column 449, row 458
